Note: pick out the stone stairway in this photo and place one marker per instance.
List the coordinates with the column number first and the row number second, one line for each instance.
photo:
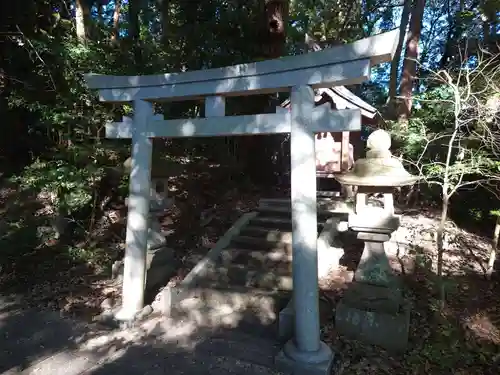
column 247, row 279
column 244, row 285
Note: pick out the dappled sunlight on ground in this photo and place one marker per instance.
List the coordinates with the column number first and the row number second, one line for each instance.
column 50, row 344
column 66, row 277
column 463, row 338
column 464, row 252
column 154, row 328
column 483, row 328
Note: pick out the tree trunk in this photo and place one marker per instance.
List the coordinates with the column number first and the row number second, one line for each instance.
column 115, row 32
column 164, row 6
column 82, row 13
column 451, row 35
column 393, row 84
column 276, row 15
column 448, row 45
column 440, row 242
column 99, row 12
column 134, row 28
column 490, row 9
column 494, row 246
column 446, row 193
column 410, row 61
column 272, row 39
column 133, row 19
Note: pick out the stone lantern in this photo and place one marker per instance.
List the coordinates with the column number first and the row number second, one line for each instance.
column 373, row 308
column 159, row 200
column 158, row 257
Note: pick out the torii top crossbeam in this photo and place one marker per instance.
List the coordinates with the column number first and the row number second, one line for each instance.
column 341, row 65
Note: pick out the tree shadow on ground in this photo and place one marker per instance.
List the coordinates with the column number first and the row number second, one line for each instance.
column 43, row 271
column 55, row 345
column 442, row 341
column 463, row 337
column 28, row 336
column 458, row 337
column 453, row 336
column 62, row 276
column 210, row 351
column 470, row 210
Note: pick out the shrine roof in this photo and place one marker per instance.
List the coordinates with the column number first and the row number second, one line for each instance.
column 343, row 98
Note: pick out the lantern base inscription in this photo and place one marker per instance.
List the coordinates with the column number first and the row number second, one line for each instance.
column 388, row 330
column 373, row 309
column 374, row 298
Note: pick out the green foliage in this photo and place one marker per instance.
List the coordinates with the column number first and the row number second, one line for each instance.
column 436, row 107
column 495, row 212
column 432, row 116
column 95, row 256
column 452, row 140
column 73, row 187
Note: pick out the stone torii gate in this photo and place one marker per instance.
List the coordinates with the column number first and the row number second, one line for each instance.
column 341, row 65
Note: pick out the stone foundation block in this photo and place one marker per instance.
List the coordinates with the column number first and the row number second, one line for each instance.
column 374, row 297
column 389, row 331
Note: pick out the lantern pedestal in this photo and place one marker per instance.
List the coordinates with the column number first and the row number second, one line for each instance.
column 373, row 308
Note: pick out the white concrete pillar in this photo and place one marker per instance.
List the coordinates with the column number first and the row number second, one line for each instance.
column 389, row 203
column 305, row 353
column 215, row 106
column 134, row 273
column 361, row 202
column 304, row 221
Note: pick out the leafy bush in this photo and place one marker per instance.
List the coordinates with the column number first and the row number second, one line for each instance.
column 71, row 187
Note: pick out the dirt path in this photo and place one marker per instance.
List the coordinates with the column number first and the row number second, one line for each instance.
column 34, row 342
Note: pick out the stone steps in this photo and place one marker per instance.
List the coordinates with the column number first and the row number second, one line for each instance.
column 279, row 218
column 250, row 242
column 248, row 281
column 213, row 306
column 280, row 223
column 285, row 211
column 249, row 272
column 325, row 206
column 267, row 233
column 256, row 258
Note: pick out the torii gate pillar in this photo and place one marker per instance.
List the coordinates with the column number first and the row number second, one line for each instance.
column 136, row 240
column 305, row 353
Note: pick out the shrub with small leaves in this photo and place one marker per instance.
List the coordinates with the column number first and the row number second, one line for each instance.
column 71, row 187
